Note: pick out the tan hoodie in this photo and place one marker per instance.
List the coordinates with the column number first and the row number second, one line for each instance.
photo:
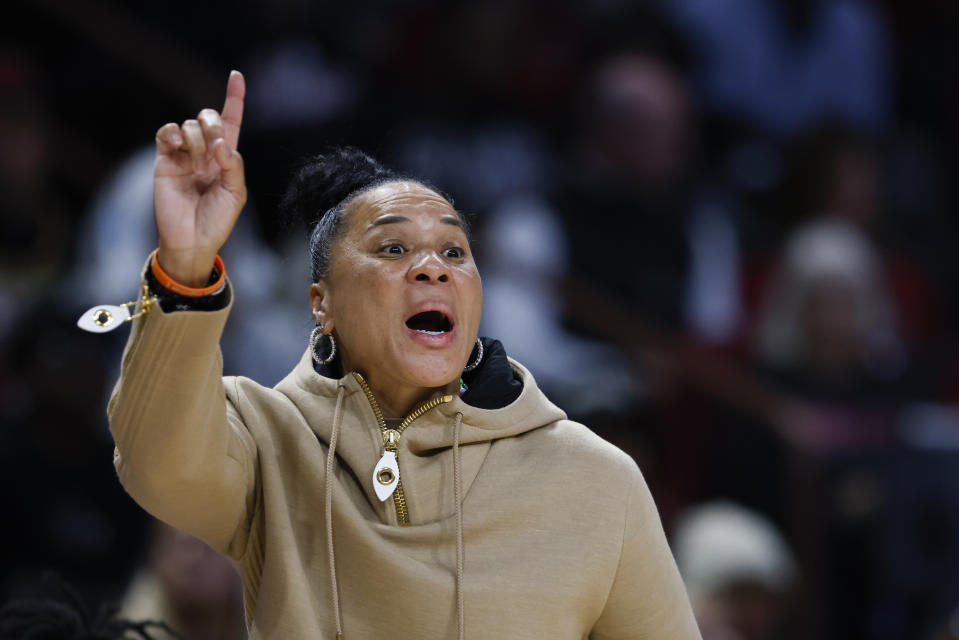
column 559, row 534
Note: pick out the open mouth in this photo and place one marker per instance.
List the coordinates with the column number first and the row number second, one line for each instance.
column 432, row 323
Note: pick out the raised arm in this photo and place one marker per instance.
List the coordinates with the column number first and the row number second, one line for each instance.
column 199, row 187
column 182, row 451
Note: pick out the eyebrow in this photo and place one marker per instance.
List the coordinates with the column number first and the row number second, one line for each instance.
column 394, row 219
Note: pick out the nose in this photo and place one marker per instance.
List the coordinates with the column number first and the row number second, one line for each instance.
column 429, row 268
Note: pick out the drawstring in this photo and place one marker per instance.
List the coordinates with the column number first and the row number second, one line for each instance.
column 334, row 587
column 458, row 497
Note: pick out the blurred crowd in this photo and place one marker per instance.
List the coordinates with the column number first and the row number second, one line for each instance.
column 718, row 232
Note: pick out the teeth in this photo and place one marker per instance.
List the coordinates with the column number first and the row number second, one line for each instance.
column 432, row 333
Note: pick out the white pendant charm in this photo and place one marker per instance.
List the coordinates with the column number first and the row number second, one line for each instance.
column 107, row 317
column 103, row 318
column 386, row 475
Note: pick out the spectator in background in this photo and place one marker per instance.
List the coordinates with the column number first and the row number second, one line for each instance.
column 188, row 586
column 630, row 173
column 827, row 334
column 828, row 343
column 838, row 172
column 674, row 266
column 739, row 571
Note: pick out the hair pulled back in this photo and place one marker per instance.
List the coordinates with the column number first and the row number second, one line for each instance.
column 319, row 191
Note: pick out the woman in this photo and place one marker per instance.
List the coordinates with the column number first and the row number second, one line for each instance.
column 405, row 480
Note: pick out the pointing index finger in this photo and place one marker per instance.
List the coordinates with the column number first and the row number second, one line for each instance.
column 232, row 114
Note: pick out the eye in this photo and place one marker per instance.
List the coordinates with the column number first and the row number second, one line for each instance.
column 394, row 249
column 454, row 252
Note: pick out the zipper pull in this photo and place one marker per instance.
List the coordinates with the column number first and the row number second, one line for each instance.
column 386, row 475
column 107, row 317
column 387, row 471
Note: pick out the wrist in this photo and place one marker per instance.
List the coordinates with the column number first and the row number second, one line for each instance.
column 194, row 286
column 188, row 268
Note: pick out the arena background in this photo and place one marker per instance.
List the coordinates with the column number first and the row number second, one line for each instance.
column 719, row 232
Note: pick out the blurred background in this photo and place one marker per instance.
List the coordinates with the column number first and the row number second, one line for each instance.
column 719, row 232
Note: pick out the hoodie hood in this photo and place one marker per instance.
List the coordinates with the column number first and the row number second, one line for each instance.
column 440, row 453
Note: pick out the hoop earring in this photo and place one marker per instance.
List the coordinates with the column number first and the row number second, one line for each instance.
column 479, row 357
column 315, row 341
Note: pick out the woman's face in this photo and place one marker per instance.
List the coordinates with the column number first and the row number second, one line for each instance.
column 403, row 295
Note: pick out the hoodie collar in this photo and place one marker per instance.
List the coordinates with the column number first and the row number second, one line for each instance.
column 502, row 400
column 492, row 385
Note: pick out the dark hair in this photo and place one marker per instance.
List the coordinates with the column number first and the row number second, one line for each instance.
column 321, row 189
column 63, row 615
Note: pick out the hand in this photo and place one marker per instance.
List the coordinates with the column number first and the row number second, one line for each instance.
column 199, row 187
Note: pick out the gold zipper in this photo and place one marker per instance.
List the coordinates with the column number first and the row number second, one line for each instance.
column 391, row 438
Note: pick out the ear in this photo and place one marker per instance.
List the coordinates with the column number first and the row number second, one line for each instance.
column 321, row 303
